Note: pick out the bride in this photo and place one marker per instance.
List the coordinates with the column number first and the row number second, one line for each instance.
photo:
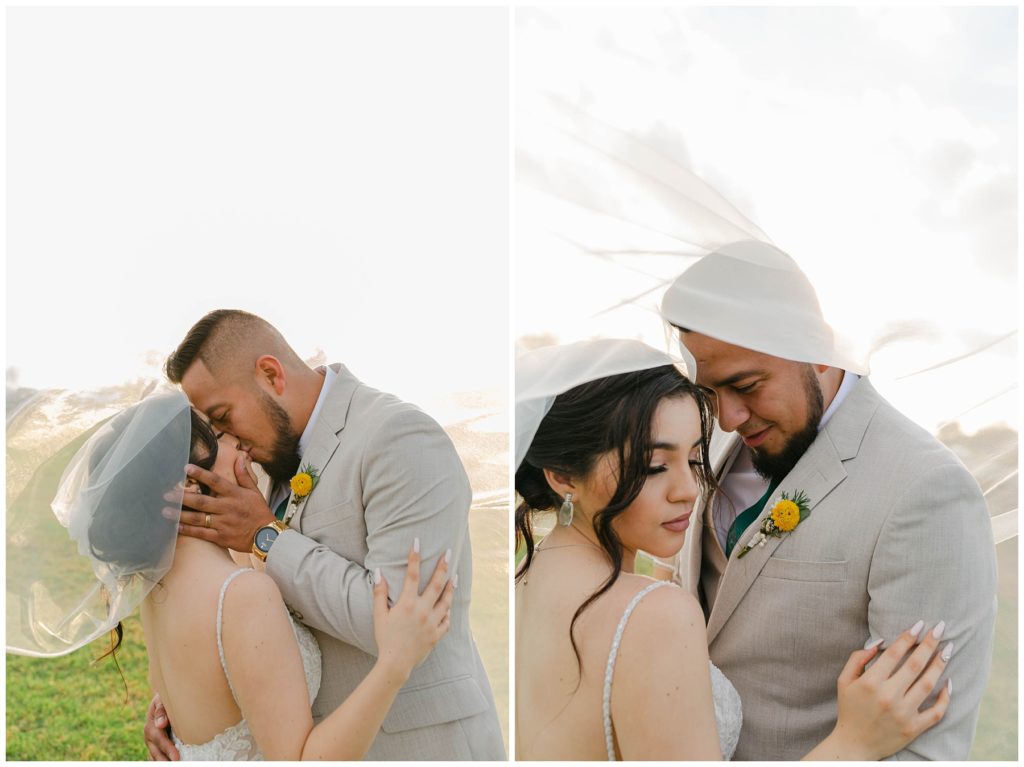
column 235, row 671
column 614, row 665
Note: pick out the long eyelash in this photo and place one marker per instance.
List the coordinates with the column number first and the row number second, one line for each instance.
column 656, row 469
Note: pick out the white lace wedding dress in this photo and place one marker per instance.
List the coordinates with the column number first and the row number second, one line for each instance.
column 236, row 743
column 728, row 712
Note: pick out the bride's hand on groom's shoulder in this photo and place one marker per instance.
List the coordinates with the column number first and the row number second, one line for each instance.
column 879, row 707
column 407, row 631
column 231, row 514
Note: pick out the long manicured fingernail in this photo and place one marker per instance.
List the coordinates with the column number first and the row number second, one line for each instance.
column 873, row 643
column 939, row 628
column 455, row 581
column 916, row 630
column 376, row 575
column 949, row 686
column 190, row 469
column 448, row 557
column 947, row 652
column 416, row 545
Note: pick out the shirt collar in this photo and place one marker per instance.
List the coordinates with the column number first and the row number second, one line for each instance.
column 329, row 377
column 849, row 381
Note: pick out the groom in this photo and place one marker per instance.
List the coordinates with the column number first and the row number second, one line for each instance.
column 386, row 475
column 897, row 532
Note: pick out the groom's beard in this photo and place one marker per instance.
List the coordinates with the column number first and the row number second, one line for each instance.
column 284, row 455
column 775, row 467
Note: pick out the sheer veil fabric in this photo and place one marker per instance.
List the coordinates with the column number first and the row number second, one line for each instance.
column 610, row 211
column 83, row 562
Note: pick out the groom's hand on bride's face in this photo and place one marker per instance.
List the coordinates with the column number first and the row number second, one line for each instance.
column 231, row 514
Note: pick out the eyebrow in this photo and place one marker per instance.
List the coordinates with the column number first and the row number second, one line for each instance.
column 672, row 445
column 736, row 377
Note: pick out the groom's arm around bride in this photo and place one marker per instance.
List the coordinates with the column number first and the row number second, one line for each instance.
column 382, row 476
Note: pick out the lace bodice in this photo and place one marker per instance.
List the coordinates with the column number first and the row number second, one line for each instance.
column 728, row 712
column 237, row 743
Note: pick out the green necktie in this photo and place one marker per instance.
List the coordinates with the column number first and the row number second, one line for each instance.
column 744, row 518
column 281, row 508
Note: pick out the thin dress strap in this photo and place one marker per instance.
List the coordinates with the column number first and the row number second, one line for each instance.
column 220, row 615
column 609, row 740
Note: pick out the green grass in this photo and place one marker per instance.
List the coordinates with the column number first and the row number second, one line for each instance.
column 69, row 709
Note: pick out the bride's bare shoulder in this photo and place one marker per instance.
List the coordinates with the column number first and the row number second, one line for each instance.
column 251, row 588
column 666, row 611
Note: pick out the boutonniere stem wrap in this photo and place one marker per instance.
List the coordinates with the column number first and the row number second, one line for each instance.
column 784, row 518
column 302, row 484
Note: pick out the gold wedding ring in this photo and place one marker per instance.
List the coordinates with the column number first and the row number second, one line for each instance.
column 207, row 519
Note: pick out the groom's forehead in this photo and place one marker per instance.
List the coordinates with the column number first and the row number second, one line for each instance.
column 204, row 390
column 723, row 357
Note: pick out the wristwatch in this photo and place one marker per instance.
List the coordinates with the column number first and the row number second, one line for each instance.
column 265, row 537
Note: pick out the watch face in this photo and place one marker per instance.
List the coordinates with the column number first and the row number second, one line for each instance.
column 265, row 537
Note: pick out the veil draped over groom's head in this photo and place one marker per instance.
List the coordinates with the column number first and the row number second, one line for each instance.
column 753, row 295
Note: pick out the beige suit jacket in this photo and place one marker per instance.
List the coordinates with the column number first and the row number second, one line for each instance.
column 388, row 474
column 898, row 532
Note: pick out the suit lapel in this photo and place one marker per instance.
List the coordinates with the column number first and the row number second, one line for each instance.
column 324, row 440
column 819, row 470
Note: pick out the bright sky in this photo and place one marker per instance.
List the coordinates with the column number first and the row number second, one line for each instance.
column 343, row 172
column 877, row 146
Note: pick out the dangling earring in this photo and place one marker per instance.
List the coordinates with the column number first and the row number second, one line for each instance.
column 565, row 513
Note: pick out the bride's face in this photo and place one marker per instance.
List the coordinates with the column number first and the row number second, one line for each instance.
column 227, row 453
column 656, row 521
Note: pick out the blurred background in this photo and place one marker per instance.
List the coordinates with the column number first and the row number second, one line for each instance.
column 341, row 172
column 877, row 146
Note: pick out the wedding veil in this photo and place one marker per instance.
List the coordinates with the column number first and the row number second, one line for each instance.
column 542, row 374
column 119, row 500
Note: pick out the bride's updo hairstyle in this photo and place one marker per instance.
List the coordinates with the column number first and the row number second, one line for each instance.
column 613, row 414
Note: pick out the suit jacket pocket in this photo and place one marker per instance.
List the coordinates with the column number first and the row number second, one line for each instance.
column 315, row 519
column 795, row 570
column 432, row 704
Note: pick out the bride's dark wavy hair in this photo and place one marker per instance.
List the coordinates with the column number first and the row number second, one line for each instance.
column 610, row 414
column 124, row 534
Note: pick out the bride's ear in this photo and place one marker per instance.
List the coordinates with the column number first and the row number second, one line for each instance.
column 559, row 482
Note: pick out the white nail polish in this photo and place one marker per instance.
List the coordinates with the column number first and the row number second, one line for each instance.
column 448, row 557
column 947, row 652
column 916, row 631
column 376, row 575
column 873, row 643
column 416, row 545
column 455, row 581
column 949, row 686
column 939, row 628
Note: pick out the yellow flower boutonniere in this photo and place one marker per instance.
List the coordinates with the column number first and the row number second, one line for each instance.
column 784, row 517
column 302, row 484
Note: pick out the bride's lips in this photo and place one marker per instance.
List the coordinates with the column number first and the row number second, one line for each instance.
column 755, row 439
column 678, row 524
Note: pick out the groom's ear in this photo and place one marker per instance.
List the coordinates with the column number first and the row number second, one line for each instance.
column 270, row 372
column 559, row 482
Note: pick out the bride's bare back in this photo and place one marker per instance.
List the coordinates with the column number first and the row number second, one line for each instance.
column 180, row 625
column 661, row 649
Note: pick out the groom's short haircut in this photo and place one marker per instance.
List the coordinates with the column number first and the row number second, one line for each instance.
column 228, row 340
